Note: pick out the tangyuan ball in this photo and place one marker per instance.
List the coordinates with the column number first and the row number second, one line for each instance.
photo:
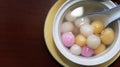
column 70, row 17
column 86, row 30
column 67, row 27
column 68, row 39
column 97, row 26
column 80, row 40
column 100, row 49
column 93, row 41
column 81, row 21
column 87, row 52
column 75, row 49
column 107, row 36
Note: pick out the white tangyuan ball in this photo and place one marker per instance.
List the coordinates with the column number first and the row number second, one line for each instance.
column 86, row 30
column 75, row 49
column 80, row 21
column 67, row 27
column 93, row 41
column 70, row 17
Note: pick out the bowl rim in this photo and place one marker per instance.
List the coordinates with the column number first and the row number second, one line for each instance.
column 76, row 59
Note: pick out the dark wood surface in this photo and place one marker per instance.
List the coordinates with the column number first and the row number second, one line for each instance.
column 21, row 34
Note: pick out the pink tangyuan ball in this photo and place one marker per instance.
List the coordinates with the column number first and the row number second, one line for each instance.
column 68, row 39
column 87, row 52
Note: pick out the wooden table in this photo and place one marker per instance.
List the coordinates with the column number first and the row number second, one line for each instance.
column 21, row 34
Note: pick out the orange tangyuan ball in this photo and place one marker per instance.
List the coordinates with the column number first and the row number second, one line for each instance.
column 97, row 26
column 80, row 40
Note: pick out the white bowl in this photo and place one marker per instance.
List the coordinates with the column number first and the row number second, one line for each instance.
column 95, row 60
